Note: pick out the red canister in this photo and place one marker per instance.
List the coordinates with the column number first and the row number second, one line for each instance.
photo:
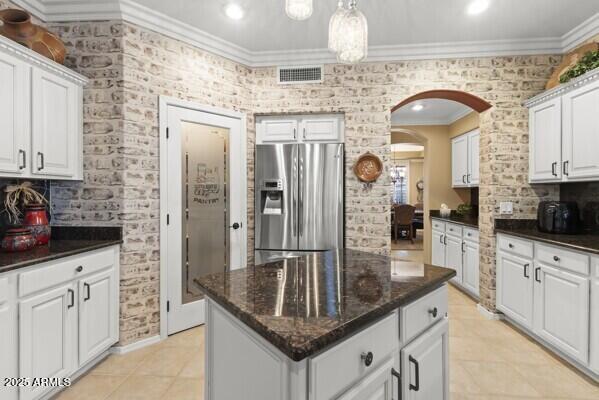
column 18, row 239
column 36, row 220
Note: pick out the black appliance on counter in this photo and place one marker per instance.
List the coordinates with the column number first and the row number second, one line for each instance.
column 559, row 217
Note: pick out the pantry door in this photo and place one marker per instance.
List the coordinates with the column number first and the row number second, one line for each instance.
column 204, row 202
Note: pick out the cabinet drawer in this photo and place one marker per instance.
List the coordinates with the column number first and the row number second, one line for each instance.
column 438, row 225
column 513, row 245
column 416, row 317
column 575, row 262
column 51, row 274
column 471, row 234
column 453, row 230
column 3, row 290
column 340, row 367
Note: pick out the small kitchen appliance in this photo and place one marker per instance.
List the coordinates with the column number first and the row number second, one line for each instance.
column 559, row 217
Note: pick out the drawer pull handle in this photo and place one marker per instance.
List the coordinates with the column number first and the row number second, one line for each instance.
column 71, row 293
column 367, row 358
column 398, row 376
column 88, row 292
column 79, row 268
column 415, row 387
column 433, row 312
column 555, row 258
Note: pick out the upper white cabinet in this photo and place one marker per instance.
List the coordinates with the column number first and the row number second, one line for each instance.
column 323, row 128
column 41, row 116
column 465, row 162
column 563, row 128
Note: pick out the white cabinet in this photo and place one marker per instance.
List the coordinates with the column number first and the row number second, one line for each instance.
column 56, row 125
column 14, row 125
column 9, row 342
column 378, row 385
column 98, row 314
column 470, row 266
column 453, row 255
column 580, row 130
column 465, row 162
column 595, row 317
column 459, row 161
column 561, row 314
column 41, row 116
column 425, row 365
column 515, row 288
column 323, row 128
column 545, row 142
column 47, row 337
column 438, row 248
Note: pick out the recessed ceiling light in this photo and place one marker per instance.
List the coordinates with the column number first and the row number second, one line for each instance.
column 234, row 11
column 478, row 6
column 417, row 107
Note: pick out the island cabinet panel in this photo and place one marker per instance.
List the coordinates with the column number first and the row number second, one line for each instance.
column 419, row 315
column 378, row 385
column 425, row 365
column 332, row 372
column 515, row 288
column 562, row 310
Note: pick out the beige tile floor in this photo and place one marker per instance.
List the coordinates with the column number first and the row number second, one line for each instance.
column 489, row 360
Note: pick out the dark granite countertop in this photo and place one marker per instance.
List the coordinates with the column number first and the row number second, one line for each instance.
column 527, row 229
column 303, row 305
column 66, row 241
column 467, row 220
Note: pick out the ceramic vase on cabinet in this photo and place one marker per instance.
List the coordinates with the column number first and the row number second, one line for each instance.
column 17, row 26
column 36, row 220
column 18, row 239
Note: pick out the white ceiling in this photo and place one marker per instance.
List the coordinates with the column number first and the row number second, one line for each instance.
column 435, row 112
column 399, row 29
column 406, row 147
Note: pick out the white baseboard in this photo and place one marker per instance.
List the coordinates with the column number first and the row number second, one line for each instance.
column 135, row 346
column 494, row 316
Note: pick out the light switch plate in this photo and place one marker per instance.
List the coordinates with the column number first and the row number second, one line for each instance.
column 506, row 207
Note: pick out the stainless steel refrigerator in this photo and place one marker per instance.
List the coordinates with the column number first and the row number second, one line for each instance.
column 299, row 196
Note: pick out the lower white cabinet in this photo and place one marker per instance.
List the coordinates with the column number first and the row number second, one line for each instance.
column 514, row 288
column 9, row 343
column 561, row 314
column 595, row 320
column 471, row 266
column 453, row 255
column 425, row 365
column 378, row 385
column 438, row 248
column 47, row 337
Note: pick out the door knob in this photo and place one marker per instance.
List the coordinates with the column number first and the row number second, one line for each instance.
column 236, row 225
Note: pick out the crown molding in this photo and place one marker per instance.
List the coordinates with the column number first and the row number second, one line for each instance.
column 129, row 10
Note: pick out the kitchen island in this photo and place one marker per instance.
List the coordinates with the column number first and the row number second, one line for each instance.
column 340, row 324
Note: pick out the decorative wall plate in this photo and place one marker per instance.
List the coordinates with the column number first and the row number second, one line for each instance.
column 368, row 167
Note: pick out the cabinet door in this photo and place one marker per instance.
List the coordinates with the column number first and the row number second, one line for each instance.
column 14, row 116
column 278, row 130
column 320, row 129
column 595, row 325
column 515, row 288
column 470, row 268
column 438, row 249
column 580, row 130
column 55, row 125
column 98, row 314
column 473, row 177
column 47, row 331
column 545, row 142
column 453, row 256
column 378, row 385
column 425, row 365
column 9, row 342
column 459, row 161
column 562, row 310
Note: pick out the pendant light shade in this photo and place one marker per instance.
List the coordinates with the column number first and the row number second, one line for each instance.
column 299, row 9
column 334, row 24
column 353, row 36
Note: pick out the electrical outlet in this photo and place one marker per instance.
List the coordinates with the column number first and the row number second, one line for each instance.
column 506, row 207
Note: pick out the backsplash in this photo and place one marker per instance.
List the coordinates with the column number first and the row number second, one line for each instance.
column 581, row 192
column 42, row 187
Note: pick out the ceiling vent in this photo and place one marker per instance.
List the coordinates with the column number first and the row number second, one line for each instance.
column 302, row 74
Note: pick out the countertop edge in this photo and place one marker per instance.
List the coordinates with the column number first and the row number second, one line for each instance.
column 547, row 241
column 331, row 338
column 100, row 245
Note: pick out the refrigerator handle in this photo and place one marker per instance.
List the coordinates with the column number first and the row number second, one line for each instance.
column 294, row 193
column 300, row 209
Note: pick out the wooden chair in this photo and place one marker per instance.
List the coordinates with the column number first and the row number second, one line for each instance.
column 404, row 217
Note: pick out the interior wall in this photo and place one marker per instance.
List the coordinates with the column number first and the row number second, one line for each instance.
column 464, row 124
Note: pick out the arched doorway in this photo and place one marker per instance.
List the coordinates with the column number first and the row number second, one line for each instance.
column 436, row 136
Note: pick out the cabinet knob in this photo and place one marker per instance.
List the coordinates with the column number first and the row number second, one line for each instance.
column 79, row 268
column 555, row 258
column 433, row 312
column 367, row 358
column 511, row 246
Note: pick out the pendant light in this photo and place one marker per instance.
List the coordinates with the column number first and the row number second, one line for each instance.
column 334, row 33
column 299, row 9
column 353, row 36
